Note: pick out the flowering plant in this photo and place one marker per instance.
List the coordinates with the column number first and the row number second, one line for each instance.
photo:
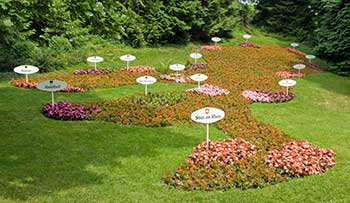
column 179, row 79
column 267, row 96
column 32, row 85
column 314, row 66
column 68, row 111
column 92, row 71
column 211, row 47
column 297, row 52
column 139, row 69
column 249, row 44
column 209, row 90
column 286, row 74
column 197, row 66
column 301, row 158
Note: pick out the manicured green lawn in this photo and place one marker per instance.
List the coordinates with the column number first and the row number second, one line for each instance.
column 43, row 160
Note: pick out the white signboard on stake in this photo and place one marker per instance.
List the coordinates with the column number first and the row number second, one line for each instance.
column 177, row 68
column 216, row 39
column 196, row 56
column 247, row 36
column 52, row 86
column 208, row 115
column 310, row 57
column 294, row 45
column 199, row 78
column 95, row 60
column 299, row 67
column 287, row 83
column 128, row 58
column 26, row 70
column 146, row 80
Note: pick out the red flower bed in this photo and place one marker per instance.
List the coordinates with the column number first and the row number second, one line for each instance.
column 267, row 96
column 197, row 66
column 286, row 74
column 297, row 52
column 249, row 44
column 301, row 158
column 314, row 66
column 92, row 71
column 32, row 85
column 211, row 47
column 139, row 69
column 68, row 111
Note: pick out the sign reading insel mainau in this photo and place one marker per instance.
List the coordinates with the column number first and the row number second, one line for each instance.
column 51, row 85
column 208, row 115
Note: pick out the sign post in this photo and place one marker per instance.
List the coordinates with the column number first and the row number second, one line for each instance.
column 207, row 115
column 294, row 45
column 95, row 60
column 52, row 86
column 128, row 58
column 216, row 39
column 196, row 56
column 26, row 70
column 287, row 83
column 177, row 68
column 146, row 80
column 310, row 57
column 299, row 67
column 199, row 78
column 247, row 37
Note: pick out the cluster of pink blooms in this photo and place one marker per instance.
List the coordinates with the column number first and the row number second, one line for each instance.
column 68, row 111
column 301, row 158
column 92, row 71
column 209, row 90
column 286, row 74
column 249, row 44
column 179, row 79
column 211, row 47
column 314, row 66
column 139, row 69
column 267, row 96
column 297, row 52
column 32, row 85
column 224, row 152
column 197, row 66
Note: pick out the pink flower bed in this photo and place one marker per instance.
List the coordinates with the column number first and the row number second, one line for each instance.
column 211, row 47
column 224, row 152
column 68, row 111
column 139, row 69
column 91, row 71
column 32, row 85
column 314, row 66
column 209, row 90
column 301, row 158
column 267, row 96
column 249, row 44
column 286, row 74
column 297, row 52
column 179, row 79
column 197, row 66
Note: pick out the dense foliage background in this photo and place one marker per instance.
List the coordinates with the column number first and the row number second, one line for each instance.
column 42, row 33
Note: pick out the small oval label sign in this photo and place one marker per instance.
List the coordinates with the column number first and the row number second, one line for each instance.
column 208, row 115
column 26, row 69
column 95, row 59
column 246, row 36
column 127, row 58
column 177, row 67
column 199, row 77
column 287, row 83
column 196, row 55
column 310, row 57
column 299, row 66
column 146, row 80
column 216, row 39
column 51, row 85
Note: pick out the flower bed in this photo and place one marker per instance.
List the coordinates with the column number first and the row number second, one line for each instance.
column 300, row 158
column 92, row 71
column 267, row 96
column 211, row 47
column 172, row 77
column 139, row 69
column 249, row 44
column 209, row 90
column 314, row 66
column 68, row 111
column 297, row 52
column 158, row 99
column 286, row 74
column 32, row 85
column 197, row 66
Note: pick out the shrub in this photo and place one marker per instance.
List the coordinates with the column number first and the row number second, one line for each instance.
column 68, row 111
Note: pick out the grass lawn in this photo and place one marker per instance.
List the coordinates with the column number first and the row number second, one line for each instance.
column 44, row 160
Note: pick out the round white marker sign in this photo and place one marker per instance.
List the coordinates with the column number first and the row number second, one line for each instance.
column 146, row 80
column 216, row 39
column 287, row 83
column 127, row 58
column 95, row 59
column 177, row 67
column 310, row 57
column 51, row 85
column 294, row 44
column 26, row 69
column 208, row 115
column 196, row 55
column 199, row 77
column 299, row 66
column 246, row 36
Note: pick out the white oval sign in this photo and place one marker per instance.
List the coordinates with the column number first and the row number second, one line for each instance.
column 196, row 55
column 94, row 59
column 287, row 83
column 294, row 44
column 177, row 67
column 199, row 77
column 208, row 115
column 146, row 80
column 299, row 66
column 26, row 69
column 246, row 36
column 127, row 58
column 310, row 57
column 51, row 85
column 216, row 39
